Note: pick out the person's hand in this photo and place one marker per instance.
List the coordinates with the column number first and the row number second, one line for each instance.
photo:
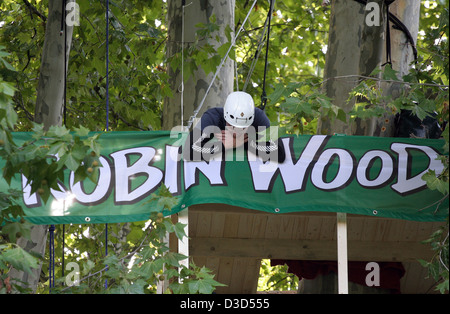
column 231, row 139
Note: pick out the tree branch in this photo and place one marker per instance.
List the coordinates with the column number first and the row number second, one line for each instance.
column 149, row 229
column 34, row 10
column 381, row 80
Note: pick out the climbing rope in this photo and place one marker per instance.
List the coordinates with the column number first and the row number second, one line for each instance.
column 52, row 228
column 256, row 56
column 51, row 250
column 263, row 94
column 107, row 112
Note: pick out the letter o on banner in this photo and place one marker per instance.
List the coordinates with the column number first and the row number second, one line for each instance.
column 344, row 174
column 101, row 190
column 365, row 164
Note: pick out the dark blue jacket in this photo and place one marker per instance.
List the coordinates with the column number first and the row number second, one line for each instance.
column 197, row 147
column 214, row 116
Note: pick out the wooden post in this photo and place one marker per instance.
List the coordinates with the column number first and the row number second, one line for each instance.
column 342, row 253
column 183, row 245
column 162, row 285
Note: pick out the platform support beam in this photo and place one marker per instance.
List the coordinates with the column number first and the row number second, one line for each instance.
column 342, row 255
column 183, row 245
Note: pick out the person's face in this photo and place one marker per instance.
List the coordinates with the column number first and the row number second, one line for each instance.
column 236, row 130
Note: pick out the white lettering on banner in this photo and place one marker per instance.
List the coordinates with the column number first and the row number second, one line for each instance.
column 365, row 164
column 213, row 170
column 100, row 192
column 293, row 174
column 344, row 174
column 405, row 183
column 125, row 173
column 172, row 169
column 118, row 171
column 30, row 200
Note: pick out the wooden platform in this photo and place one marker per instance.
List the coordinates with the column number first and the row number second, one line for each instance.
column 232, row 241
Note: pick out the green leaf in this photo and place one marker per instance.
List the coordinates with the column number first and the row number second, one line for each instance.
column 7, row 89
column 434, row 183
column 173, row 259
column 82, row 131
column 17, row 229
column 7, row 65
column 71, row 162
column 277, row 93
column 20, row 259
column 180, row 230
column 341, row 115
column 389, row 73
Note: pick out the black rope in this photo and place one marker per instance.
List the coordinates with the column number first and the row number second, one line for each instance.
column 263, row 94
column 402, row 27
column 388, row 37
column 51, row 266
column 63, row 31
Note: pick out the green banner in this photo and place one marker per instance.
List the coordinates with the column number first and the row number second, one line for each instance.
column 353, row 174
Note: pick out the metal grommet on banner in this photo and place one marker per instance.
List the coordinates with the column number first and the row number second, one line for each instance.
column 87, row 219
column 375, row 212
column 277, row 210
column 183, row 206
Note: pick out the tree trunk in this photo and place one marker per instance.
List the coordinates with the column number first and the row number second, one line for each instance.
column 356, row 48
column 402, row 56
column 196, row 11
column 342, row 59
column 50, row 91
column 49, row 111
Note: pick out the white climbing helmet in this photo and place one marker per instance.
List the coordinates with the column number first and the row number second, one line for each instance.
column 239, row 109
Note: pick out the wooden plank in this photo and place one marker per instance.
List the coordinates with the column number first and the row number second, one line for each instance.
column 342, row 255
column 203, row 226
column 300, row 227
column 237, row 283
column 273, row 227
column 308, row 249
column 245, row 226
column 328, row 229
column 217, row 225
column 259, row 226
column 313, row 228
column 231, row 226
column 286, row 227
column 224, row 274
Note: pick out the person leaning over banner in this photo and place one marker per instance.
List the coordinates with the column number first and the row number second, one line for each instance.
column 237, row 124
